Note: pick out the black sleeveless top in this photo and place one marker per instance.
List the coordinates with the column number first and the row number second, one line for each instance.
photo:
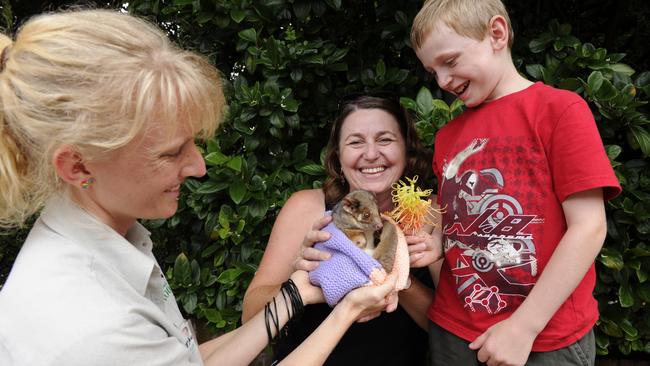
column 390, row 339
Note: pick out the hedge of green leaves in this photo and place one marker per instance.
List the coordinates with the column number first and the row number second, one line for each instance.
column 287, row 63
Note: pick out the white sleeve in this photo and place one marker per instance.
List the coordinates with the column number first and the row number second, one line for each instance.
column 130, row 341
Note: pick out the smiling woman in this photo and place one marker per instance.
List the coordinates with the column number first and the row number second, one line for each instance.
column 372, row 145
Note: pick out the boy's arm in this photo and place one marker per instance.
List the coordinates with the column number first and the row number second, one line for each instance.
column 509, row 342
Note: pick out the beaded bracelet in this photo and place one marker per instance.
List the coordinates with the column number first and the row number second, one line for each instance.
column 292, row 297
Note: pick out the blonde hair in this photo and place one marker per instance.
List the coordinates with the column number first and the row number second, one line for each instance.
column 93, row 79
column 468, row 18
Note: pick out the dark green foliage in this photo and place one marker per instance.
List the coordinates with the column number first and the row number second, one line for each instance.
column 286, row 63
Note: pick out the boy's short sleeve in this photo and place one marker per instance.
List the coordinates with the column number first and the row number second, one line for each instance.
column 577, row 157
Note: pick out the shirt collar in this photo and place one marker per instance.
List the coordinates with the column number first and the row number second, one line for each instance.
column 130, row 256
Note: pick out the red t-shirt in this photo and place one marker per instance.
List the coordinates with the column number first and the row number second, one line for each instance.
column 504, row 168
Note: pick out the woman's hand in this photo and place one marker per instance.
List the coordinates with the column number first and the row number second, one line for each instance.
column 369, row 301
column 309, row 293
column 424, row 249
column 308, row 257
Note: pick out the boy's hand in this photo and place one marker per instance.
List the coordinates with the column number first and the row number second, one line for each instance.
column 423, row 249
column 504, row 343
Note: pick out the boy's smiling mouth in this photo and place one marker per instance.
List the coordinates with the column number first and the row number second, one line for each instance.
column 461, row 89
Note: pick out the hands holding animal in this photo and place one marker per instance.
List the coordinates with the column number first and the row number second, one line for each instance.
column 365, row 297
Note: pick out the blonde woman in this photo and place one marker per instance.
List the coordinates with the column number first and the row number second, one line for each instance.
column 99, row 116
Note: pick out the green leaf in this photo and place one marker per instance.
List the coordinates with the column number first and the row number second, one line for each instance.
column 229, row 276
column 207, row 252
column 196, row 272
column 337, row 55
column 182, row 272
column 336, row 4
column 401, row 18
column 311, row 169
column 588, row 49
column 189, row 303
column 628, row 328
column 276, row 120
column 314, row 59
column 296, row 75
column 211, row 186
column 613, row 151
column 408, row 103
column 642, row 137
column 611, row 258
column 302, row 9
column 216, row 158
column 535, row 71
column 424, row 101
column 607, row 91
column 622, row 68
column 573, row 84
column 213, row 315
column 300, row 152
column 625, row 296
column 380, row 69
column 456, row 106
column 249, row 35
column 204, row 17
column 237, row 15
column 235, row 163
column 258, row 208
column 237, row 191
column 642, row 276
column 602, row 340
column 290, row 105
column 440, row 104
column 595, row 81
column 643, row 290
column 610, row 328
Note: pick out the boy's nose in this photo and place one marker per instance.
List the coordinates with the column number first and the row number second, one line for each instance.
column 444, row 80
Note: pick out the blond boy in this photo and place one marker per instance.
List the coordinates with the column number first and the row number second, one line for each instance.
column 523, row 176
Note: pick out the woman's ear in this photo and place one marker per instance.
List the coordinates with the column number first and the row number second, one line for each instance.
column 69, row 165
column 499, row 32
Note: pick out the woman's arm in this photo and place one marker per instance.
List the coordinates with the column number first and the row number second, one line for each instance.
column 356, row 304
column 294, row 221
column 416, row 300
column 228, row 349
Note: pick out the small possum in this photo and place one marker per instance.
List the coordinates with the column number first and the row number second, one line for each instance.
column 357, row 216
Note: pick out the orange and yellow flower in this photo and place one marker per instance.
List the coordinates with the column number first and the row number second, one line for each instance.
column 412, row 206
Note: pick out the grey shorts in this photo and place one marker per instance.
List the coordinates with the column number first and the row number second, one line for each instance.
column 448, row 349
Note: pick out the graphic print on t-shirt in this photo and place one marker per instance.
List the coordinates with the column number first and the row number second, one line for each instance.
column 491, row 254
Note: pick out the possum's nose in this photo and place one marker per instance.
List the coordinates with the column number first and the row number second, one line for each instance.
column 378, row 225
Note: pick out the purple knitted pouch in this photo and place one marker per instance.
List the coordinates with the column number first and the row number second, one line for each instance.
column 348, row 268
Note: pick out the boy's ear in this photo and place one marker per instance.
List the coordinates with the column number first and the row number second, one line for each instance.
column 69, row 165
column 498, row 32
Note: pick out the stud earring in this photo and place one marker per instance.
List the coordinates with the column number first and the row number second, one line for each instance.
column 87, row 183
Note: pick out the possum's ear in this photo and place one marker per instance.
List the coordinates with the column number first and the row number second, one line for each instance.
column 349, row 204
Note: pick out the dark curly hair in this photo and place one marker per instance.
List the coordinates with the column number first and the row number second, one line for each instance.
column 418, row 158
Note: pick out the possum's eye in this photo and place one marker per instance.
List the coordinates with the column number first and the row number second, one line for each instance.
column 366, row 215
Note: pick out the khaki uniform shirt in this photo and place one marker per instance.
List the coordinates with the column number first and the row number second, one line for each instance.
column 79, row 293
